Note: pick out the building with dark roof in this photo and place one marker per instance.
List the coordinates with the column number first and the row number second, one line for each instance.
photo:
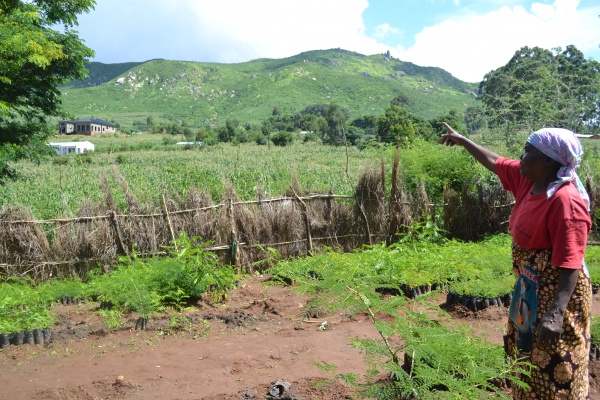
column 86, row 126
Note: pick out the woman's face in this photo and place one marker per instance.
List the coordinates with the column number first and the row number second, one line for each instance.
column 533, row 163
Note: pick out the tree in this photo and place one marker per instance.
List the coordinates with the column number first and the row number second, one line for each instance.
column 35, row 59
column 175, row 129
column 368, row 123
column 397, row 125
column 336, row 119
column 401, row 100
column 354, row 134
column 539, row 87
column 227, row 133
column 283, row 138
column 189, row 134
column 475, row 119
column 316, row 109
column 266, row 128
column 451, row 118
column 150, row 123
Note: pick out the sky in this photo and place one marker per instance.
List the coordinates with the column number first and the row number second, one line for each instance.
column 467, row 38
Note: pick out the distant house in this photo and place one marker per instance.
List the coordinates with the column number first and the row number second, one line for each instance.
column 592, row 137
column 65, row 127
column 72, row 147
column 87, row 126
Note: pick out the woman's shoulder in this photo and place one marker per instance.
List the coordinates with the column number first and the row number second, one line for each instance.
column 569, row 201
column 507, row 162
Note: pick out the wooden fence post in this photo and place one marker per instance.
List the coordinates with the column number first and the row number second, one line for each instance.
column 329, row 205
column 309, row 246
column 360, row 207
column 234, row 238
column 153, row 236
column 169, row 222
column 115, row 223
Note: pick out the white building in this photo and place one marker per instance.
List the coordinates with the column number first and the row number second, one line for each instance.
column 72, row 147
column 593, row 137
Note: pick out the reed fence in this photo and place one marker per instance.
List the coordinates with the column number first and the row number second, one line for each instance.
column 295, row 224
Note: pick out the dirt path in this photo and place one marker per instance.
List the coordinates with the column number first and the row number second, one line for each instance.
column 255, row 339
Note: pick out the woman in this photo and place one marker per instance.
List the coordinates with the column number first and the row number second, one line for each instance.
column 549, row 318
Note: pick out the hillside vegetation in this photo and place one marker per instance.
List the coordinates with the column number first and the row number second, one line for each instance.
column 204, row 94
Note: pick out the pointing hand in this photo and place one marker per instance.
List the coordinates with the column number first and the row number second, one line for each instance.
column 451, row 137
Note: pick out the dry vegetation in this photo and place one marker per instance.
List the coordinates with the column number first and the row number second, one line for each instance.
column 294, row 224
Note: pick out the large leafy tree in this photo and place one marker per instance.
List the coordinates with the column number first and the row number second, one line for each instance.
column 475, row 119
column 397, row 125
column 336, row 120
column 539, row 87
column 34, row 59
column 452, row 118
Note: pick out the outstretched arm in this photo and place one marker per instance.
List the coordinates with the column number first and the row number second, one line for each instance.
column 486, row 157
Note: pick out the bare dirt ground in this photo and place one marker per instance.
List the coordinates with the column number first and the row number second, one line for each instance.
column 256, row 338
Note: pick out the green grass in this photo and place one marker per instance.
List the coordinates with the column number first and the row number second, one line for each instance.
column 595, row 331
column 592, row 259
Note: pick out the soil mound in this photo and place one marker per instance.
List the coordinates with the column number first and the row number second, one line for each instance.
column 233, row 319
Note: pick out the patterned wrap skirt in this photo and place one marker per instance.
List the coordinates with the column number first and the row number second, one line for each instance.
column 560, row 371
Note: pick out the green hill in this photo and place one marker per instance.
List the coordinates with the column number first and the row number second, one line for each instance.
column 100, row 73
column 201, row 93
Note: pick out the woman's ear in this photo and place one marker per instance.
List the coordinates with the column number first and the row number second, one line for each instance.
column 552, row 164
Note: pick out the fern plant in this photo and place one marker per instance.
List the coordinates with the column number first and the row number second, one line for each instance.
column 438, row 362
column 112, row 318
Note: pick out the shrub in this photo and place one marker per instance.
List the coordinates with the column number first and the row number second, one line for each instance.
column 148, row 285
column 210, row 141
column 85, row 158
column 283, row 138
column 168, row 140
column 261, row 140
column 60, row 160
column 310, row 137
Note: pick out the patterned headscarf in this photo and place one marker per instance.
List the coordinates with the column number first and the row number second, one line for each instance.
column 563, row 146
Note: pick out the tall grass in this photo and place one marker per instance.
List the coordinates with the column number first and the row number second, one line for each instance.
column 55, row 188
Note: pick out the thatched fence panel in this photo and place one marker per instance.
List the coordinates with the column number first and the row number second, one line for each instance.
column 296, row 224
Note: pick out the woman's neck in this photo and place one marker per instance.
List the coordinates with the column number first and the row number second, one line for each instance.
column 541, row 186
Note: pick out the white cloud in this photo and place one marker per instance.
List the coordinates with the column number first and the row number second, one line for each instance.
column 272, row 28
column 223, row 30
column 384, row 30
column 469, row 46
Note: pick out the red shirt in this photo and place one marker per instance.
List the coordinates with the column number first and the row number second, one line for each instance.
column 561, row 222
